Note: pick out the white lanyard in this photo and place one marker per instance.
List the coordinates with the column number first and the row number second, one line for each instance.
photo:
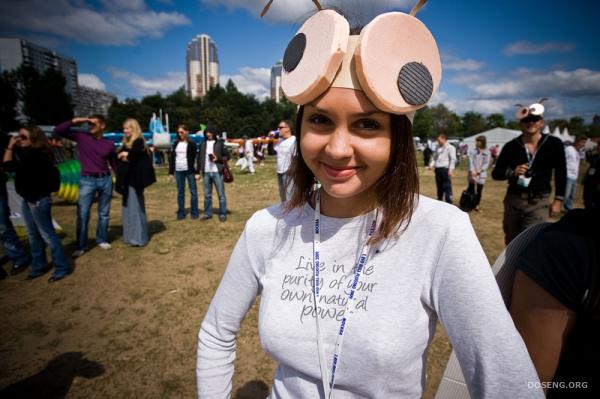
column 328, row 383
column 531, row 157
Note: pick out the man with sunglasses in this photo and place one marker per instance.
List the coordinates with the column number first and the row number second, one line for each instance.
column 527, row 162
column 96, row 154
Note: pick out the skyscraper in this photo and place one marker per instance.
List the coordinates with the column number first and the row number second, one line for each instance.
column 14, row 52
column 202, row 63
column 276, row 91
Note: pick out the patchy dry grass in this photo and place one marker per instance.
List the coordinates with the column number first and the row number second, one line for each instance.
column 136, row 311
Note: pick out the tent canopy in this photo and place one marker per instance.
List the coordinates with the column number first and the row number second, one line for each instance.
column 497, row 135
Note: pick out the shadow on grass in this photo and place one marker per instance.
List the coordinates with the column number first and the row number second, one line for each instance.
column 55, row 380
column 253, row 390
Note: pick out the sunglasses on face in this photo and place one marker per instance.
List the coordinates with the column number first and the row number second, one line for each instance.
column 531, row 119
column 181, row 132
column 22, row 137
column 281, row 127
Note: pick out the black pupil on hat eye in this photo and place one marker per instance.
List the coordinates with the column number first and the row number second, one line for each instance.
column 294, row 52
column 415, row 83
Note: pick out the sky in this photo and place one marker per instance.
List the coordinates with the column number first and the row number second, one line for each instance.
column 494, row 53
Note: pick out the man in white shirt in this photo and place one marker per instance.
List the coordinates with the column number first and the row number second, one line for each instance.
column 444, row 161
column 572, row 154
column 286, row 149
column 249, row 154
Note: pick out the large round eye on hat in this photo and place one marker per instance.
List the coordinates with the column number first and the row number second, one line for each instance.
column 536, row 109
column 398, row 63
column 314, row 55
column 522, row 112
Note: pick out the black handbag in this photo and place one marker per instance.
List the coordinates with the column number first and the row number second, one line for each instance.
column 467, row 201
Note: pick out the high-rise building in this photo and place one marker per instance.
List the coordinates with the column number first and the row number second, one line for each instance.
column 92, row 101
column 14, row 52
column 276, row 91
column 202, row 63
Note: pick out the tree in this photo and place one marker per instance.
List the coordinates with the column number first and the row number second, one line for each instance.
column 495, row 120
column 45, row 101
column 473, row 123
column 423, row 124
column 444, row 121
column 577, row 126
column 8, row 102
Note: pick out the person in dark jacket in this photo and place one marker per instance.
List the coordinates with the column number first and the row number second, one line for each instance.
column 527, row 162
column 134, row 173
column 182, row 165
column 210, row 164
column 36, row 177
column 12, row 245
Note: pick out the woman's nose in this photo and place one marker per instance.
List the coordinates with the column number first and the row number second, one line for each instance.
column 340, row 143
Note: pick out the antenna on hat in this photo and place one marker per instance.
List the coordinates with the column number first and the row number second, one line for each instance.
column 266, row 9
column 542, row 100
column 417, row 7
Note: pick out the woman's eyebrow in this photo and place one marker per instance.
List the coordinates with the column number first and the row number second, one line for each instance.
column 355, row 115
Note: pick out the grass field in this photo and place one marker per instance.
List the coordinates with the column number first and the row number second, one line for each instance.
column 125, row 323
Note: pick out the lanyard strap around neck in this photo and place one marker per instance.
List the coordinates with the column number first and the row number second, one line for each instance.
column 329, row 382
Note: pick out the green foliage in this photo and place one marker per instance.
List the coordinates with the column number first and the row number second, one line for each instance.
column 423, row 124
column 445, row 121
column 230, row 110
column 577, row 126
column 45, row 101
column 8, row 102
column 495, row 120
column 473, row 123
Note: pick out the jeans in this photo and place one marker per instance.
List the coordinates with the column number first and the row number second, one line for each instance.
column 286, row 187
column 208, row 180
column 12, row 245
column 444, row 184
column 40, row 230
column 88, row 188
column 570, row 193
column 180, row 178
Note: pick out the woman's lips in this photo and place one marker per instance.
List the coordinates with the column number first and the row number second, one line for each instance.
column 340, row 172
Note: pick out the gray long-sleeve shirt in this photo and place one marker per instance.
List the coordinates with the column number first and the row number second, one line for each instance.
column 435, row 269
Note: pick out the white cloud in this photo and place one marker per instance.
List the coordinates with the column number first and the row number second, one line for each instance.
column 250, row 80
column 90, row 80
column 526, row 47
column 143, row 86
column 455, row 63
column 528, row 83
column 295, row 10
column 120, row 22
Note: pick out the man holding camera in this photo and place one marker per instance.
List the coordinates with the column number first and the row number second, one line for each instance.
column 527, row 163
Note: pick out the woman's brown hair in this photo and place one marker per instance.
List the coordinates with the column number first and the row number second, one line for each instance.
column 39, row 141
column 396, row 190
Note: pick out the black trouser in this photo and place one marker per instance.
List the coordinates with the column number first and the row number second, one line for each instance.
column 444, row 184
column 476, row 189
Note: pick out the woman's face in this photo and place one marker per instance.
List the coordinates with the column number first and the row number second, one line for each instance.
column 183, row 134
column 24, row 140
column 345, row 142
column 127, row 130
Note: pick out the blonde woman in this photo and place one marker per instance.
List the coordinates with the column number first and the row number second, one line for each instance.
column 134, row 173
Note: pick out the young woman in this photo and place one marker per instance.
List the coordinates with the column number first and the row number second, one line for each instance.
column 182, row 165
column 134, row 173
column 36, row 177
column 479, row 162
column 350, row 291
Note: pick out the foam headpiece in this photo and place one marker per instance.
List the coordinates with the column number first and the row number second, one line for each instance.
column 536, row 109
column 394, row 61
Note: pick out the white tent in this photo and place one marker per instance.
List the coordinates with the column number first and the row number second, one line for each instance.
column 556, row 133
column 497, row 135
column 546, row 129
column 565, row 136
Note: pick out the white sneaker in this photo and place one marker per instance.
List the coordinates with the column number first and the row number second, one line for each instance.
column 78, row 253
column 105, row 245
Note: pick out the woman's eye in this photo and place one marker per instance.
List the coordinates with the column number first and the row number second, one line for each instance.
column 319, row 120
column 368, row 124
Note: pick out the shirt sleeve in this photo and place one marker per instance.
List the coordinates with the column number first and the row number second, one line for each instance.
column 64, row 130
column 556, row 262
column 466, row 297
column 452, row 158
column 217, row 337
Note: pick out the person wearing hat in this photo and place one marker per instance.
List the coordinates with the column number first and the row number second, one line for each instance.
column 210, row 163
column 527, row 162
column 350, row 291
